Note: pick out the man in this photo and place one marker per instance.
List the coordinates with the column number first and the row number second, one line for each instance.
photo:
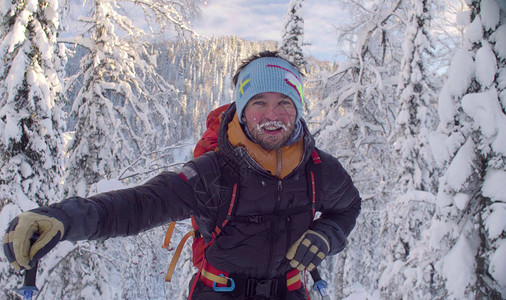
column 254, row 200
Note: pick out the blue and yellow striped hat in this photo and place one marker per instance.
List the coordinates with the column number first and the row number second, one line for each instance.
column 269, row 74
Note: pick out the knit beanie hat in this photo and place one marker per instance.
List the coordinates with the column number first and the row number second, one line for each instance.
column 269, row 74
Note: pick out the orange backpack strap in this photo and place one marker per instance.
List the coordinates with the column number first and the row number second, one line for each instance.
column 175, row 257
column 168, row 235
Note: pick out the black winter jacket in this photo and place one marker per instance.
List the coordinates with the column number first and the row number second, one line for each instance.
column 252, row 249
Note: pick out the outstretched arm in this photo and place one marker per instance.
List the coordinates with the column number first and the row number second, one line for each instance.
column 129, row 211
column 166, row 197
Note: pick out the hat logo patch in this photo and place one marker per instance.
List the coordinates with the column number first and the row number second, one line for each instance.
column 244, row 85
column 294, row 82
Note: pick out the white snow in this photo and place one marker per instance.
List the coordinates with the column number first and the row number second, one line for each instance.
column 447, row 105
column 486, row 65
column 496, row 222
column 490, row 13
column 423, row 196
column 23, row 202
column 461, row 167
column 17, row 35
column 497, row 266
column 474, row 32
column 439, row 149
column 10, row 128
column 461, row 200
column 487, row 114
column 459, row 267
column 499, row 36
column 460, row 73
column 26, row 169
column 15, row 76
column 438, row 230
column 494, row 185
column 482, row 107
column 4, row 7
column 360, row 293
column 106, row 185
column 8, row 212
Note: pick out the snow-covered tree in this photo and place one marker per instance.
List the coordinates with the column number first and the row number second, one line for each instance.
column 292, row 38
column 405, row 268
column 470, row 145
column 358, row 119
column 31, row 138
column 416, row 94
column 359, row 109
column 122, row 111
column 122, row 107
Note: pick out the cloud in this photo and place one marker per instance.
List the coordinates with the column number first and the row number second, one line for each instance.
column 263, row 20
column 254, row 20
column 320, row 21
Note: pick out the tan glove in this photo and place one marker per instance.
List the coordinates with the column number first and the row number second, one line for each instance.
column 29, row 237
column 308, row 251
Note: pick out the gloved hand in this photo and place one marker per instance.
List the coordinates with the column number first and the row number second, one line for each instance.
column 308, row 251
column 17, row 243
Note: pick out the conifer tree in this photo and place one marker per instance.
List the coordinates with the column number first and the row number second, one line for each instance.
column 469, row 227
column 123, row 107
column 408, row 215
column 415, row 115
column 31, row 136
column 293, row 34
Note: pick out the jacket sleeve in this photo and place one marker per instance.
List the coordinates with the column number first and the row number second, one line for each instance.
column 340, row 203
column 167, row 197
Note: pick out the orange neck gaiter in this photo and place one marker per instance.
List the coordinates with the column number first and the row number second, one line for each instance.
column 279, row 163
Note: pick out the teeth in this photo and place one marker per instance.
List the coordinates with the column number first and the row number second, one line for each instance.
column 272, row 126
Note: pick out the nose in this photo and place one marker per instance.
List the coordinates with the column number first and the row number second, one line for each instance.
column 272, row 112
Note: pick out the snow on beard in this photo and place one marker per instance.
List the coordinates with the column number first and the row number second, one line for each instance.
column 272, row 125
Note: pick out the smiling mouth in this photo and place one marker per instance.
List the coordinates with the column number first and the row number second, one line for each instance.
column 272, row 127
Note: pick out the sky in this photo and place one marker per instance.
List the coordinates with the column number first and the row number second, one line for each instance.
column 263, row 20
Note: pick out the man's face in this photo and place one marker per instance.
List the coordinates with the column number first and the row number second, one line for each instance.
column 270, row 119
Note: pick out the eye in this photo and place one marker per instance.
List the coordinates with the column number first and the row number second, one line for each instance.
column 258, row 102
column 286, row 103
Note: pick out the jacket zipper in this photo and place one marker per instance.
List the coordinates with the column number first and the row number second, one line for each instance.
column 273, row 229
column 279, row 165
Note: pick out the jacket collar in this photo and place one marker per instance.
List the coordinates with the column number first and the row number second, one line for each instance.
column 235, row 145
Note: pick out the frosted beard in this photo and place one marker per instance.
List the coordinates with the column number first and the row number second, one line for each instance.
column 271, row 135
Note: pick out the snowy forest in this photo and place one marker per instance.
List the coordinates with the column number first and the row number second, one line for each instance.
column 93, row 98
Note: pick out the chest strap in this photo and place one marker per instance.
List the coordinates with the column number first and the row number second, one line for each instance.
column 277, row 216
column 220, row 281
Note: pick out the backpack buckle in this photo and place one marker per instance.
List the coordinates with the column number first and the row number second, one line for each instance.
column 224, row 288
column 261, row 288
column 256, row 219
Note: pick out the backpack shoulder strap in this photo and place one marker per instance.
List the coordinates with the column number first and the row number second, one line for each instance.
column 227, row 209
column 313, row 175
column 224, row 218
